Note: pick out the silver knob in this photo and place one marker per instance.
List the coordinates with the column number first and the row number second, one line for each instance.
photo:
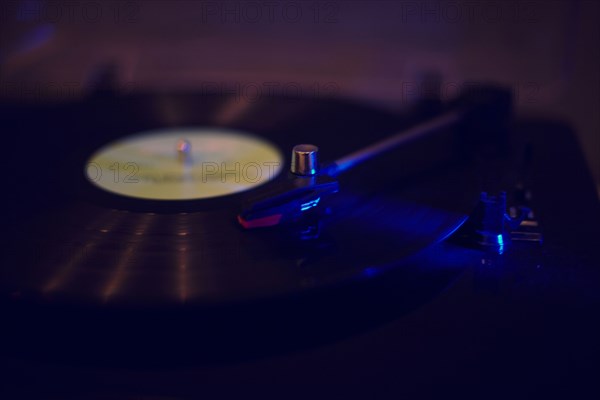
column 305, row 160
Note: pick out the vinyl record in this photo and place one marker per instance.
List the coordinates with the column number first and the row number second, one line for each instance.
column 82, row 242
column 77, row 243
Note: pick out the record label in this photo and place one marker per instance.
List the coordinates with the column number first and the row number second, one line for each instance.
column 184, row 164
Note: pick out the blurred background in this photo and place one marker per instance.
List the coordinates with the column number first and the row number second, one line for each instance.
column 547, row 52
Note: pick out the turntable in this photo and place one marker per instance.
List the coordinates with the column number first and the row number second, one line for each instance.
column 254, row 239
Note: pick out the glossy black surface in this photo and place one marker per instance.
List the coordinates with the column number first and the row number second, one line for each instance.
column 84, row 246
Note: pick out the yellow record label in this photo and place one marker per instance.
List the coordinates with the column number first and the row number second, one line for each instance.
column 184, row 164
